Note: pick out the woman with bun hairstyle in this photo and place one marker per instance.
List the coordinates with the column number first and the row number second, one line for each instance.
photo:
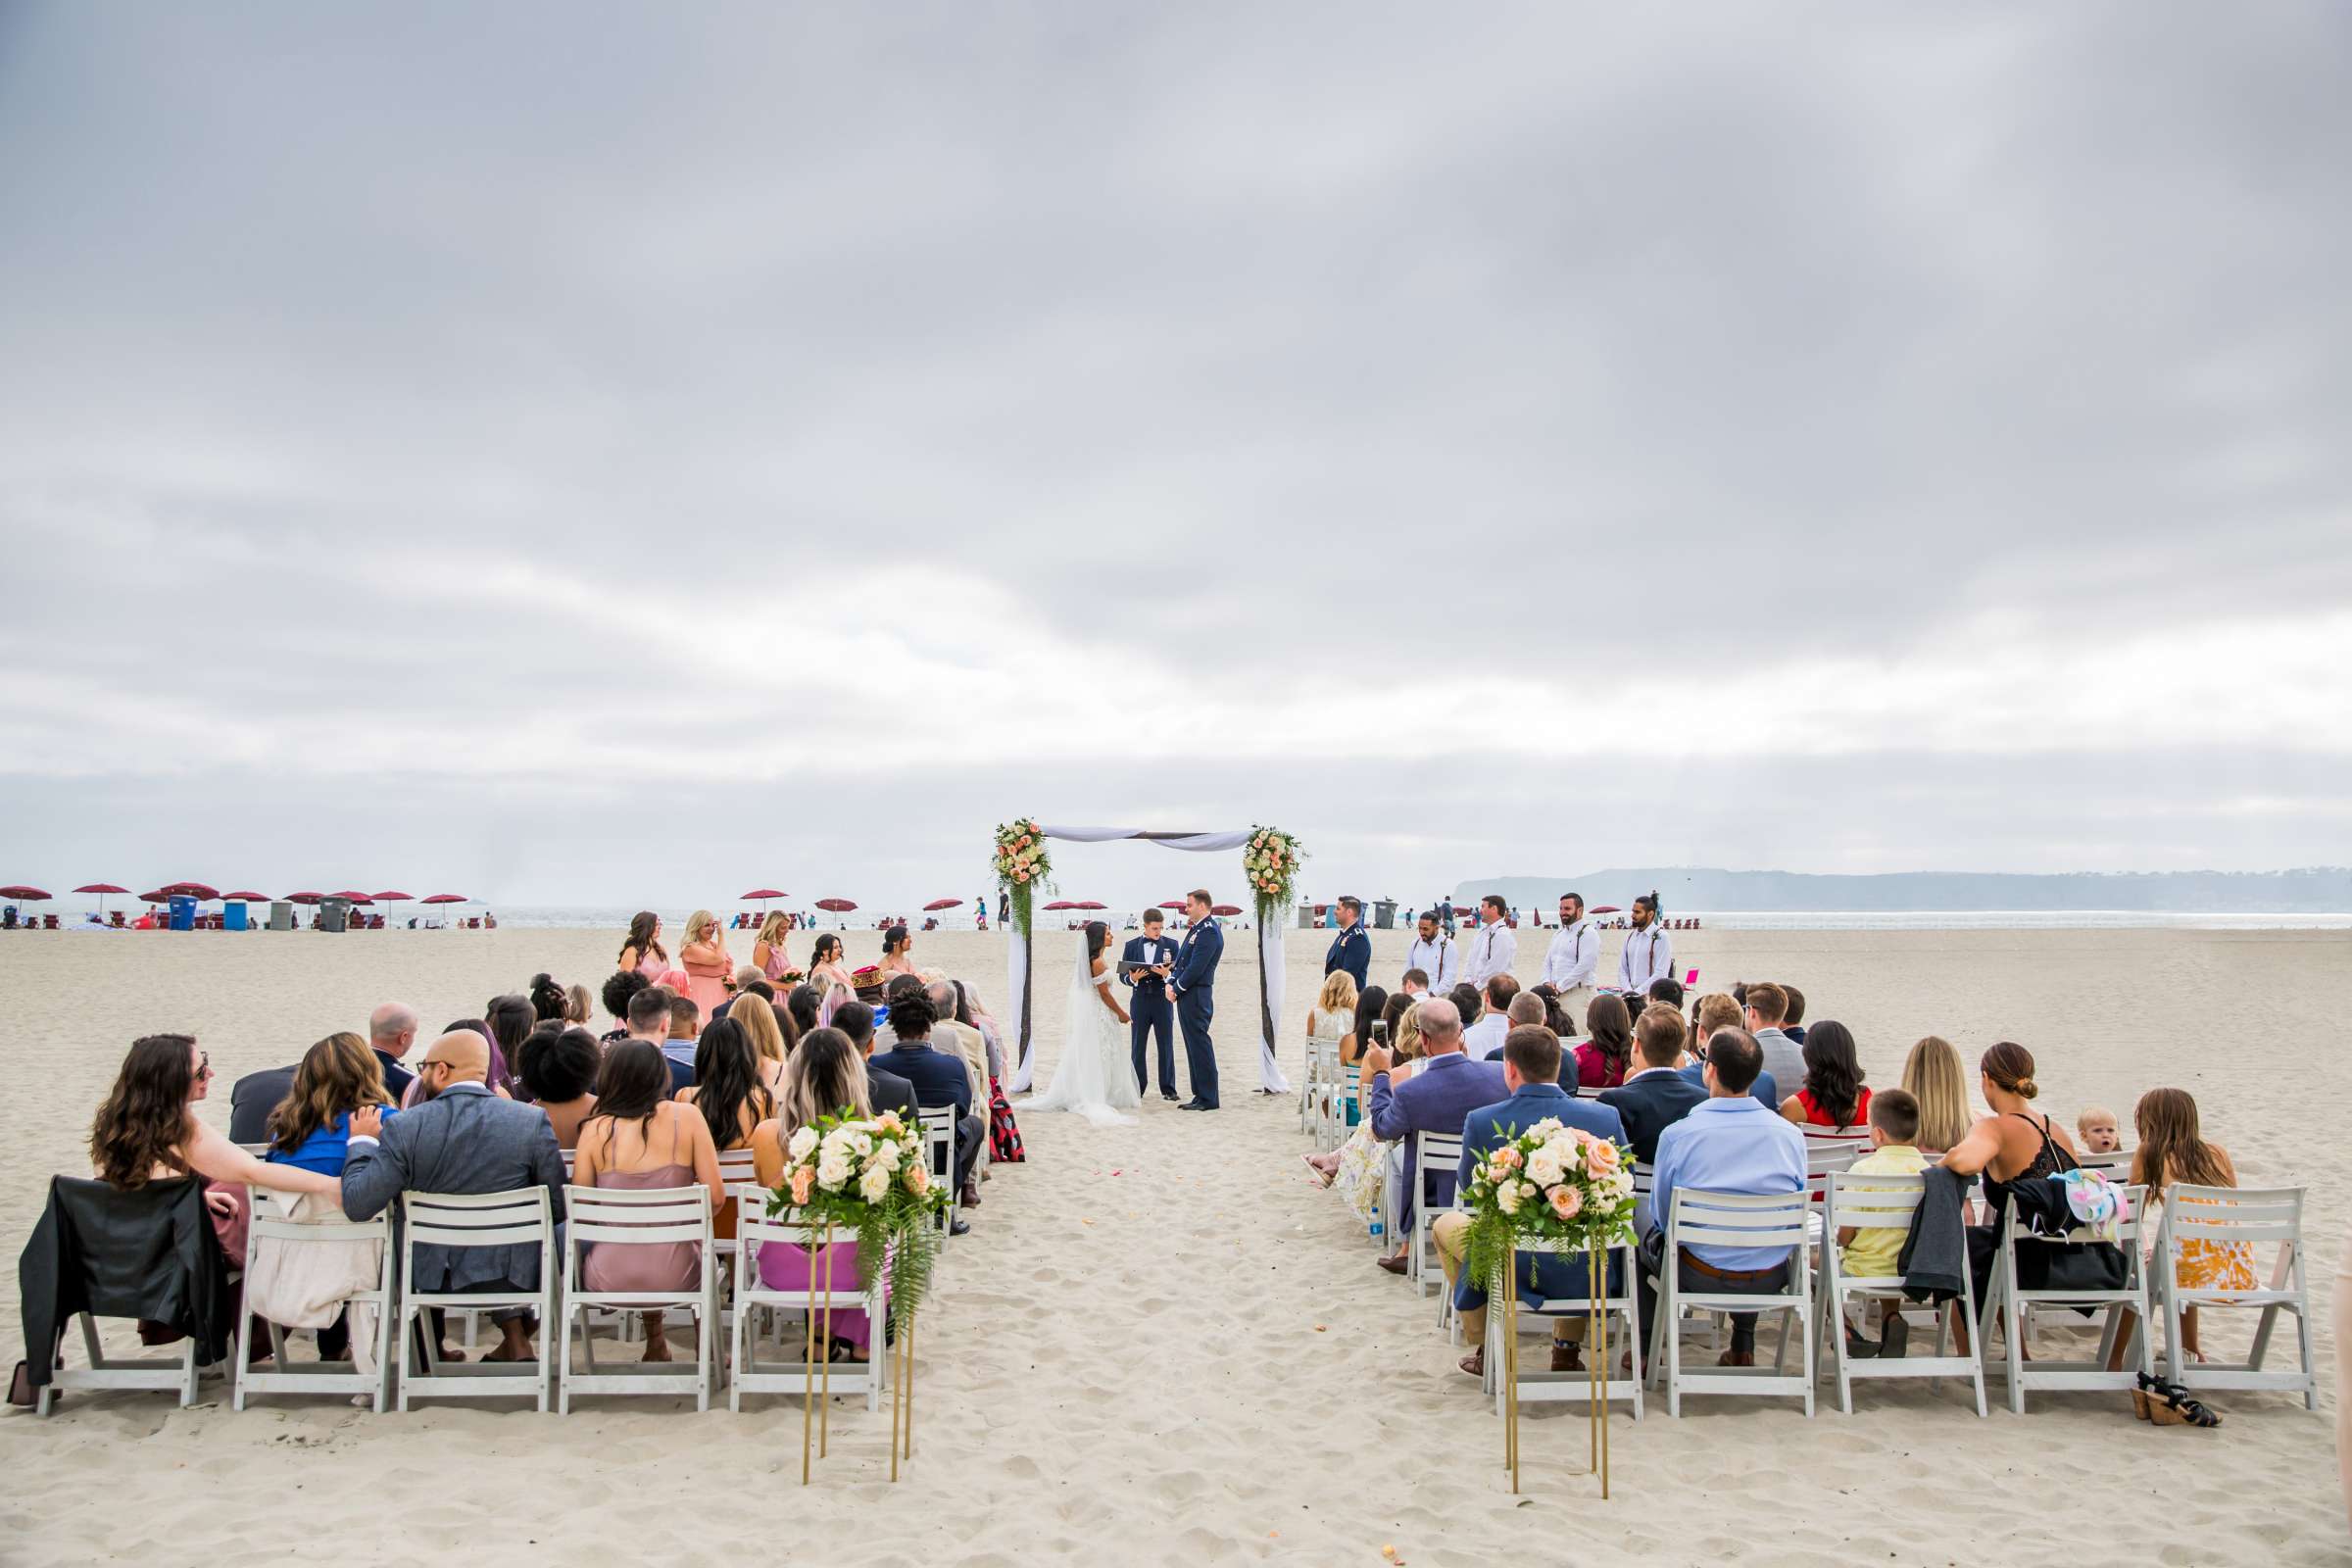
column 2015, row 1144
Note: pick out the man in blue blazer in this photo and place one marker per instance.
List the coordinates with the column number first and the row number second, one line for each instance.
column 1531, row 1067
column 1445, row 1087
column 1351, row 949
column 1148, row 1010
column 1193, row 984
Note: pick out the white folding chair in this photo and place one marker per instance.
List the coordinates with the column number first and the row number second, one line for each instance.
column 2009, row 1304
column 2116, row 1162
column 1742, row 1220
column 619, row 1216
column 270, row 1228
column 1546, row 1385
column 1869, row 1202
column 1432, row 1152
column 1826, row 1157
column 788, row 1373
column 1322, row 1055
column 737, row 1168
column 939, row 1140
column 522, row 1217
column 2236, row 1216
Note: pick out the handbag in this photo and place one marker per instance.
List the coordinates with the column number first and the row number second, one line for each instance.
column 2073, row 1266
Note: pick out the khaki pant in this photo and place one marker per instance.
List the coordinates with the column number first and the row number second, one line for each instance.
column 1450, row 1231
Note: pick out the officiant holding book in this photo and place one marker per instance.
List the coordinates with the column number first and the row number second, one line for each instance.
column 1146, row 962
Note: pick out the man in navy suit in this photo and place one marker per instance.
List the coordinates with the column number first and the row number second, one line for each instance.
column 1351, row 949
column 1193, row 984
column 1530, row 1068
column 1148, row 1010
column 1446, row 1086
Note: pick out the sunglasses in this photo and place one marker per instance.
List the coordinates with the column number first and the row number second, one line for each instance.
column 204, row 1064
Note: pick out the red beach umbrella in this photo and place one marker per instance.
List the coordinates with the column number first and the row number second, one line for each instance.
column 30, row 894
column 158, row 896
column 446, row 897
column 193, row 890
column 247, row 897
column 1605, row 909
column 835, row 906
column 1223, row 910
column 392, row 898
column 102, row 889
column 942, row 903
column 761, row 894
column 1172, row 904
column 1062, row 904
column 1089, row 904
column 353, row 895
column 305, row 897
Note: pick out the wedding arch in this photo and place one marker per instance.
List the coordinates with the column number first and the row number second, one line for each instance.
column 1024, row 867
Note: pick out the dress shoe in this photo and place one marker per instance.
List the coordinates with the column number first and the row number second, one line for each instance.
column 1169, row 1095
column 1475, row 1363
column 959, row 1227
column 1894, row 1338
column 1196, row 1103
column 1396, row 1263
column 1736, row 1358
column 970, row 1198
column 1566, row 1357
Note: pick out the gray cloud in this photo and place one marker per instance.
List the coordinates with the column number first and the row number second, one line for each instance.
column 1917, row 408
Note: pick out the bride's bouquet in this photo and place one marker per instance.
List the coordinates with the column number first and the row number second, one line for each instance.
column 1551, row 1183
column 870, row 1176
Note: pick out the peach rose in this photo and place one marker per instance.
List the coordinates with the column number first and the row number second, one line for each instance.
column 918, row 1178
column 1601, row 1157
column 801, row 1180
column 1566, row 1201
column 1509, row 1157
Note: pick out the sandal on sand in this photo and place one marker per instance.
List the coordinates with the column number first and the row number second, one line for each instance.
column 2169, row 1404
column 1321, row 1180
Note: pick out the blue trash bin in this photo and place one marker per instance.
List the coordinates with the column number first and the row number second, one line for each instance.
column 183, row 913
column 232, row 917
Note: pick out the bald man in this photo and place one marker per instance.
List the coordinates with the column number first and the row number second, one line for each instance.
column 391, row 1031
column 459, row 1139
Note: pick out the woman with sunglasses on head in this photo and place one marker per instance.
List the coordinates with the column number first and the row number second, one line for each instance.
column 148, row 1131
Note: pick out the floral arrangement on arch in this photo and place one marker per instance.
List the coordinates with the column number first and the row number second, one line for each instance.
column 1271, row 860
column 1551, row 1182
column 870, row 1175
column 1022, row 865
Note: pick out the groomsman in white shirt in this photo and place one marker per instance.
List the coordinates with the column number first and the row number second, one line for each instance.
column 1434, row 953
column 1492, row 945
column 1573, row 956
column 1648, row 954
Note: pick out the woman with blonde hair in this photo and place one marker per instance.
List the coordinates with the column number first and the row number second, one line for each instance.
column 1333, row 1016
column 759, row 1020
column 704, row 959
column 768, row 948
column 579, row 1008
column 311, row 1128
column 1933, row 1076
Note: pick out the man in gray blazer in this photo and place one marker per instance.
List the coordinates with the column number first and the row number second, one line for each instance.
column 463, row 1139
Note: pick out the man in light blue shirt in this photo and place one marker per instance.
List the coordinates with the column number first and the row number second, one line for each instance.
column 1729, row 1142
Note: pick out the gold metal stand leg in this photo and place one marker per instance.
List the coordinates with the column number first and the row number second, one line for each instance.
column 892, row 1348
column 824, row 1395
column 808, row 1393
column 911, row 1387
column 1511, row 1366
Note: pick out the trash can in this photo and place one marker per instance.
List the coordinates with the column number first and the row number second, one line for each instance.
column 334, row 914
column 232, row 917
column 1383, row 914
column 1306, row 917
column 281, row 915
column 183, row 913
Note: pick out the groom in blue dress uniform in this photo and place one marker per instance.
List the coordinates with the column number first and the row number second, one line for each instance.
column 1148, row 1010
column 1351, row 949
column 1194, row 986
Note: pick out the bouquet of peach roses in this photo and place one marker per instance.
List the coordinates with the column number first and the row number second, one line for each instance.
column 870, row 1175
column 1551, row 1183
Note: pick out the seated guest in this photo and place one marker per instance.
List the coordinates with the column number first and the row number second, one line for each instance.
column 962, row 1038
column 1331, row 1018
column 253, row 1098
column 619, row 992
column 1414, row 984
column 557, row 1071
column 579, row 1009
column 731, row 1092
column 1531, row 1070
column 804, row 1002
column 1468, row 1002
column 462, row 1138
column 312, row 1126
column 1447, row 1087
column 1603, row 1059
column 391, row 1031
column 1716, row 1011
column 1556, row 1016
column 1371, row 1006
column 1005, row 1146
column 2171, row 1153
column 748, row 982
column 1655, row 1096
column 1766, row 1006
column 939, row 1080
column 1834, row 1096
column 1933, row 1075
column 757, row 1022
column 884, row 1090
column 1872, row 1254
column 825, row 1077
column 2095, row 1131
column 1793, row 1024
column 1666, row 989
column 685, row 1033
column 638, row 1138
column 147, row 1131
column 2009, row 1147
column 1525, row 1011
column 546, row 998
column 1482, row 1040
column 509, row 1018
column 1731, row 1144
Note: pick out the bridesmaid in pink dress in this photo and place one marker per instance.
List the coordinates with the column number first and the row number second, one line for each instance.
column 767, row 949
column 642, row 944
column 640, row 1139
column 705, row 960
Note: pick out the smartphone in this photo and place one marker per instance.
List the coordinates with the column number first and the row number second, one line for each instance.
column 1380, row 1031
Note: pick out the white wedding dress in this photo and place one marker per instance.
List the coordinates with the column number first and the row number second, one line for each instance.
column 1096, row 1075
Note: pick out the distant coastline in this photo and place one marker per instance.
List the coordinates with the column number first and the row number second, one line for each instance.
column 1710, row 890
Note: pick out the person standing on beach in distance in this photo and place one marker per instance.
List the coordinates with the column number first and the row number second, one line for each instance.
column 1434, row 953
column 1493, row 948
column 1351, row 949
column 1649, row 952
column 643, row 942
column 1574, row 953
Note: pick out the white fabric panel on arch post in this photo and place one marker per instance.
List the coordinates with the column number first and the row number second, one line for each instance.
column 1269, row 953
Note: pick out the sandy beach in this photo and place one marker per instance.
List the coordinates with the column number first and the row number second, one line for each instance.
column 1163, row 1344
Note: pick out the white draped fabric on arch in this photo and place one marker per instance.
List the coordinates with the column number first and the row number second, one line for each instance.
column 1269, row 953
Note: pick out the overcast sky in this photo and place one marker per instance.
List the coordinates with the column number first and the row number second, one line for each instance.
column 615, row 454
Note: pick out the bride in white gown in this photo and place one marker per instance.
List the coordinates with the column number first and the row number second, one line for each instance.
column 1096, row 1076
